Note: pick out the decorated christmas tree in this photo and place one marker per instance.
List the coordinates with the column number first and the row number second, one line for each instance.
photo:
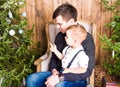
column 16, row 55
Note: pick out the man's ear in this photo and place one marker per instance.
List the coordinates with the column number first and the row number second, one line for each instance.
column 72, row 20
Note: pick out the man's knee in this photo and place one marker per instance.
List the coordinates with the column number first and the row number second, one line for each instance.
column 31, row 77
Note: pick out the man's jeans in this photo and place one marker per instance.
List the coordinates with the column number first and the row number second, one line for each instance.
column 38, row 80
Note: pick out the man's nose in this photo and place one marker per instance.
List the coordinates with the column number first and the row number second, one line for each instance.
column 57, row 26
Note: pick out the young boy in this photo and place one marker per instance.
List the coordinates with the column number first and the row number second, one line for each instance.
column 75, row 35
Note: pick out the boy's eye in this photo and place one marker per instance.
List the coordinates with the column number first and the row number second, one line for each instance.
column 66, row 37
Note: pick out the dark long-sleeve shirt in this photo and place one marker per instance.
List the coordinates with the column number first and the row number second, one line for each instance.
column 89, row 48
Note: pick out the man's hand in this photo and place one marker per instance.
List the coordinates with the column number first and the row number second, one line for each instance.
column 55, row 72
column 52, row 81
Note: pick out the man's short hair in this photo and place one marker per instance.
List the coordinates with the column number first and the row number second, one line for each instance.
column 67, row 11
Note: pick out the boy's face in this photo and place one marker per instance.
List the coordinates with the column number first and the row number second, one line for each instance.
column 69, row 38
column 62, row 24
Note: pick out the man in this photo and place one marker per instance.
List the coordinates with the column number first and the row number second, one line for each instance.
column 64, row 16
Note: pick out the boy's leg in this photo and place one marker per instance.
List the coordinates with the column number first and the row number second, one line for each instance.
column 37, row 79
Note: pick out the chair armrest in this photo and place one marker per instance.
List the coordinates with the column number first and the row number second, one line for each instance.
column 39, row 62
column 42, row 58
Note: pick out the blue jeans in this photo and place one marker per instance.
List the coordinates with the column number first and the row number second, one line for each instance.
column 38, row 80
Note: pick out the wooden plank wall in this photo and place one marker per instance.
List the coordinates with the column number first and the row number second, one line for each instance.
column 40, row 11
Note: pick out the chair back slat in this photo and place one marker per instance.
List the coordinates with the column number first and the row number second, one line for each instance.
column 51, row 32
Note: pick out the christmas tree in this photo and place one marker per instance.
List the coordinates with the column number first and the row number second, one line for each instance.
column 16, row 55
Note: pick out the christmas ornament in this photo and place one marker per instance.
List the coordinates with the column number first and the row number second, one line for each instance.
column 12, row 32
column 8, row 20
column 14, row 21
column 113, row 53
column 20, row 3
column 24, row 14
column 20, row 31
column 10, row 14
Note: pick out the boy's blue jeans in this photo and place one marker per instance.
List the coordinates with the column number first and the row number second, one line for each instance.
column 38, row 80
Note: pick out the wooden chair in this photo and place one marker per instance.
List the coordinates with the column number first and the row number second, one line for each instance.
column 51, row 32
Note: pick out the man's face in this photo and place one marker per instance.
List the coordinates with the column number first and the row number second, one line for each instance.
column 62, row 24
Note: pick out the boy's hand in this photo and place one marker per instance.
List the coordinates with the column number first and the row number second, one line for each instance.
column 53, row 47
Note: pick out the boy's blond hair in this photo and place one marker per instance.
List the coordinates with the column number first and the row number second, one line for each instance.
column 78, row 32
